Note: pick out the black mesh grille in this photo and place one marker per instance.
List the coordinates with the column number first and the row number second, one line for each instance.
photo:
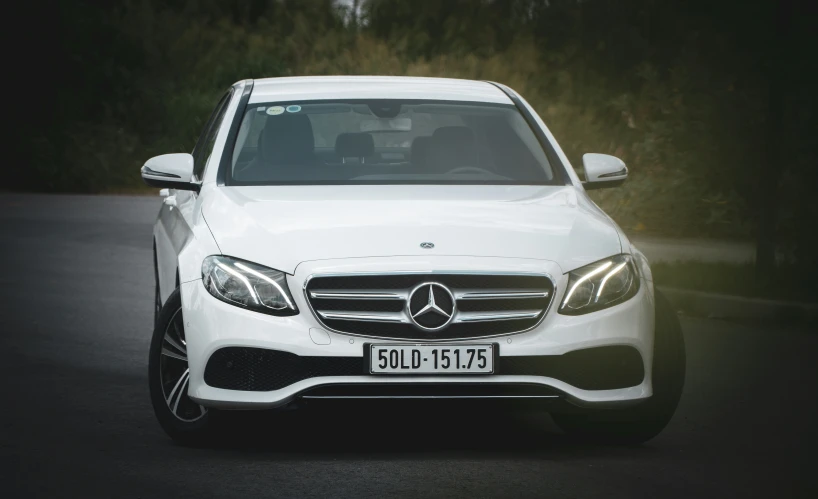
column 601, row 368
column 402, row 284
column 261, row 370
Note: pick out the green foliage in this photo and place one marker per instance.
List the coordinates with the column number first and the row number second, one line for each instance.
column 679, row 90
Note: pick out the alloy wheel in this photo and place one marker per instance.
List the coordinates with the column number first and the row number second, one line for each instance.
column 174, row 373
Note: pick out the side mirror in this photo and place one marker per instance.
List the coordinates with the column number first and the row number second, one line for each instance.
column 172, row 171
column 603, row 170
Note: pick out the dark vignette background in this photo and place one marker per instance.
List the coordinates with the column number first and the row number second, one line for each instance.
column 711, row 104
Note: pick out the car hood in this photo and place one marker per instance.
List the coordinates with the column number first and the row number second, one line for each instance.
column 281, row 226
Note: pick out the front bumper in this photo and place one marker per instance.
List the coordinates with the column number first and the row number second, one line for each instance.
column 212, row 325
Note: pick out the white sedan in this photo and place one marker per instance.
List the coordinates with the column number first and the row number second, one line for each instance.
column 364, row 238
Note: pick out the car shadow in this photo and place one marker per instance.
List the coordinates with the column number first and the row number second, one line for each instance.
column 408, row 429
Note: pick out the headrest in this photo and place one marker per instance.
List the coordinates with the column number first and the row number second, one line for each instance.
column 287, row 139
column 354, row 145
column 454, row 146
column 421, row 149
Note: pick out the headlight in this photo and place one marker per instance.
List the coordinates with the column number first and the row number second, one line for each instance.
column 600, row 285
column 248, row 285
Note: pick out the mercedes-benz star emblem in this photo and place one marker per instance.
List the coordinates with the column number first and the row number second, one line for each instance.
column 431, row 306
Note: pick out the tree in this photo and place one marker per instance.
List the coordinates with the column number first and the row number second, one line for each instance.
column 770, row 171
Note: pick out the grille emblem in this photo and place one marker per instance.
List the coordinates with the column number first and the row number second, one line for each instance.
column 427, row 245
column 431, row 306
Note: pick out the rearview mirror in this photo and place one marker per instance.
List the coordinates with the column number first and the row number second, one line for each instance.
column 603, row 170
column 387, row 125
column 173, row 171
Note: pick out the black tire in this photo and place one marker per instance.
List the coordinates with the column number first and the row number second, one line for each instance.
column 642, row 422
column 182, row 419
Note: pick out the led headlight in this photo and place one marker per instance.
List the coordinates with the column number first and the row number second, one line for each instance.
column 600, row 285
column 248, row 285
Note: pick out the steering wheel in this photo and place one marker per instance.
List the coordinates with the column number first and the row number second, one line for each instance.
column 469, row 169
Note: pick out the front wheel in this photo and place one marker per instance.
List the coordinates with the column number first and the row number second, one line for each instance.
column 640, row 423
column 169, row 376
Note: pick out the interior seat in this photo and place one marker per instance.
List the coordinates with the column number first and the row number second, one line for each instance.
column 287, row 139
column 354, row 145
column 453, row 147
column 420, row 152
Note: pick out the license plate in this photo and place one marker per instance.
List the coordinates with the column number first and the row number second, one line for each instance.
column 431, row 359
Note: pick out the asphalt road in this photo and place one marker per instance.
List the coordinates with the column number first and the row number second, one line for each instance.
column 75, row 315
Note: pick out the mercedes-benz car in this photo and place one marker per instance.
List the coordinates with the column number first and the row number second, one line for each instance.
column 379, row 238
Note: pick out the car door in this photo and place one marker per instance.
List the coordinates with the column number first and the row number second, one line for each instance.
column 174, row 227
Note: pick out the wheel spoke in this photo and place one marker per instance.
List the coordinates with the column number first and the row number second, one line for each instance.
column 179, row 334
column 180, row 395
column 181, row 349
column 181, row 380
column 173, row 355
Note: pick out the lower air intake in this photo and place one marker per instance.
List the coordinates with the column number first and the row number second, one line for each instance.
column 260, row 370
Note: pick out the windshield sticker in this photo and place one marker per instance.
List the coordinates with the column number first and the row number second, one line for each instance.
column 293, row 109
column 275, row 110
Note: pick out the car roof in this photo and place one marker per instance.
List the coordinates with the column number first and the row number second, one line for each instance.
column 301, row 88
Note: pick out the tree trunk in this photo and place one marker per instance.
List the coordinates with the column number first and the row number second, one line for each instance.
column 772, row 165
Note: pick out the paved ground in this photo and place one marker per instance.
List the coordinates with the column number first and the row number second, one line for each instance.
column 75, row 419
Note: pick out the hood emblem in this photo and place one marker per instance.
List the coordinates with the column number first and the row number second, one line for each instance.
column 427, row 245
column 431, row 306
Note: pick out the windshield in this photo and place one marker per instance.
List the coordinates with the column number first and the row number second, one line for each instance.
column 386, row 142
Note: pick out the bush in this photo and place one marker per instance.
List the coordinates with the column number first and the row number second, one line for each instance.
column 681, row 98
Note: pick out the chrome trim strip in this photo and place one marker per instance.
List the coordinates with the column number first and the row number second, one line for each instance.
column 431, row 272
column 495, row 316
column 543, row 315
column 493, row 295
column 353, row 295
column 430, row 397
column 146, row 170
column 364, row 317
column 620, row 173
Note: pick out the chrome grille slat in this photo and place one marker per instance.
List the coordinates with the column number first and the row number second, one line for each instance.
column 357, row 295
column 498, row 295
column 499, row 316
column 366, row 317
column 376, row 304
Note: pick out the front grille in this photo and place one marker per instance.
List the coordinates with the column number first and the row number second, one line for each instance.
column 376, row 305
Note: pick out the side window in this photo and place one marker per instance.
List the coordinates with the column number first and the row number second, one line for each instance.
column 204, row 146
